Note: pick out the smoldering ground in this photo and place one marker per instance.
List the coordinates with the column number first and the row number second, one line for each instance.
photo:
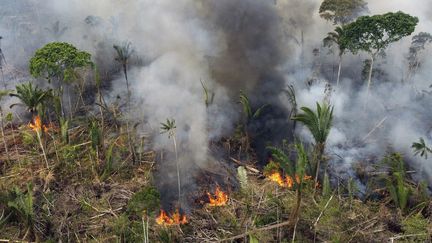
column 255, row 46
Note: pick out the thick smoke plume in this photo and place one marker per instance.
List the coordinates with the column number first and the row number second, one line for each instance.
column 255, row 46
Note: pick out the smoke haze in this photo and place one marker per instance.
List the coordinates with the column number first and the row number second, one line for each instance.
column 255, row 46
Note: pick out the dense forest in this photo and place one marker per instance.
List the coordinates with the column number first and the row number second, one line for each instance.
column 215, row 121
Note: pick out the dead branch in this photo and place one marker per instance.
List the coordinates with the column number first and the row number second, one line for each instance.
column 250, row 168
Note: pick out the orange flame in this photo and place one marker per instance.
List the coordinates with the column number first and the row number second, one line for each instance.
column 175, row 219
column 288, row 181
column 220, row 198
column 37, row 126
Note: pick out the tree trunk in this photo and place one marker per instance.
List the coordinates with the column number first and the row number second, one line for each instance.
column 178, row 168
column 296, row 211
column 319, row 151
column 131, row 147
column 339, row 71
column 370, row 74
column 369, row 81
column 3, row 135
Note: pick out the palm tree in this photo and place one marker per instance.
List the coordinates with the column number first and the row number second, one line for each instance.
column 249, row 114
column 170, row 128
column 421, row 148
column 319, row 124
column 335, row 38
column 296, row 170
column 124, row 52
column 31, row 97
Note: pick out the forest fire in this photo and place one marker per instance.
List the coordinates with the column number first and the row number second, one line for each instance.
column 176, row 218
column 288, row 182
column 37, row 126
column 220, row 198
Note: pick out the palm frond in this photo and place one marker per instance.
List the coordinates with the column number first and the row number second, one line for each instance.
column 244, row 100
column 319, row 123
column 421, row 148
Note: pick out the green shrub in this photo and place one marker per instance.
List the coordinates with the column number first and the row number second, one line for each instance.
column 148, row 199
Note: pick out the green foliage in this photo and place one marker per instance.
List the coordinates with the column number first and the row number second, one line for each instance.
column 292, row 100
column 146, row 200
column 208, row 95
column 319, row 123
column 335, row 38
column 109, row 159
column 417, row 224
column 421, row 148
column 342, row 11
column 69, row 153
column 418, row 44
column 58, row 60
column 95, row 134
column 64, row 129
column 128, row 230
column 28, row 138
column 396, row 185
column 247, row 108
column 124, row 52
column 282, row 160
column 297, row 169
column 22, row 205
column 253, row 239
column 374, row 33
column 31, row 96
column 168, row 127
column 326, row 191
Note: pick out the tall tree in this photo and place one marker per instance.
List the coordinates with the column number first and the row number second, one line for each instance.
column 373, row 34
column 335, row 38
column 319, row 124
column 418, row 44
column 124, row 52
column 341, row 12
column 170, row 128
column 57, row 62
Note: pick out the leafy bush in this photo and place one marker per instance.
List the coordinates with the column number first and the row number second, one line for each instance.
column 148, row 199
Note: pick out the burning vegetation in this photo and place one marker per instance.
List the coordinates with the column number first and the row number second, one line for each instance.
column 37, row 125
column 288, row 181
column 220, row 198
column 199, row 95
column 175, row 219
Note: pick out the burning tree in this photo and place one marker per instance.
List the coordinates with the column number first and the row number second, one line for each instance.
column 296, row 174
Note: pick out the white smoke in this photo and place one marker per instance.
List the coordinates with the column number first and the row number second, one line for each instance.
column 233, row 45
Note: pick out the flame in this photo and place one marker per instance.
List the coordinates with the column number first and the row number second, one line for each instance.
column 288, row 181
column 220, row 198
column 37, row 126
column 175, row 219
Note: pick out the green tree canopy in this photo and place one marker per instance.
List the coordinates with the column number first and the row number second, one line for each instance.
column 374, row 33
column 342, row 11
column 58, row 60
